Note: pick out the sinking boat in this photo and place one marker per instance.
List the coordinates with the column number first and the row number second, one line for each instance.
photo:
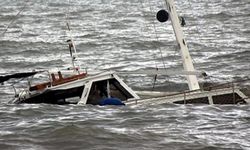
column 79, row 89
column 107, row 88
column 73, row 86
column 220, row 94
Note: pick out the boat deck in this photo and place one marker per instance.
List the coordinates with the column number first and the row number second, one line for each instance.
column 232, row 95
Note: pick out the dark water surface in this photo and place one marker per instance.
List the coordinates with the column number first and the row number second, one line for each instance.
column 124, row 36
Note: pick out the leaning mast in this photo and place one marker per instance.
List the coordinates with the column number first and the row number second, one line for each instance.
column 186, row 58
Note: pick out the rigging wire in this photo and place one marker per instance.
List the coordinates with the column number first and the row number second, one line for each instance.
column 147, row 27
column 157, row 47
column 15, row 17
column 154, row 54
column 197, row 28
column 156, row 36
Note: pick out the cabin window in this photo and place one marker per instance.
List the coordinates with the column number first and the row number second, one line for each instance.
column 202, row 100
column 232, row 98
column 99, row 91
column 68, row 96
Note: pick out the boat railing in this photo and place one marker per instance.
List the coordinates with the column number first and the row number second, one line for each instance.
column 54, row 81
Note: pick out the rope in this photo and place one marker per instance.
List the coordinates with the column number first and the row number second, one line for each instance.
column 155, row 77
column 157, row 48
column 157, row 38
column 15, row 18
column 199, row 36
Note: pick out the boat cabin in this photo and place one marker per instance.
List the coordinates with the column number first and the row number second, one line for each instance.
column 78, row 89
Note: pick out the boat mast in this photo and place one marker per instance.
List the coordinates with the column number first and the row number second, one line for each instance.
column 73, row 53
column 186, row 58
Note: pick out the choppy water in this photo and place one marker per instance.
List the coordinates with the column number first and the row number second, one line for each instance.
column 120, row 35
column 159, row 127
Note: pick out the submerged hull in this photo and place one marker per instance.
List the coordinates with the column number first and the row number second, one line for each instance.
column 218, row 96
column 222, row 96
column 90, row 90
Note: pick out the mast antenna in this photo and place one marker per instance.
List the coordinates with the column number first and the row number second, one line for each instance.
column 73, row 54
